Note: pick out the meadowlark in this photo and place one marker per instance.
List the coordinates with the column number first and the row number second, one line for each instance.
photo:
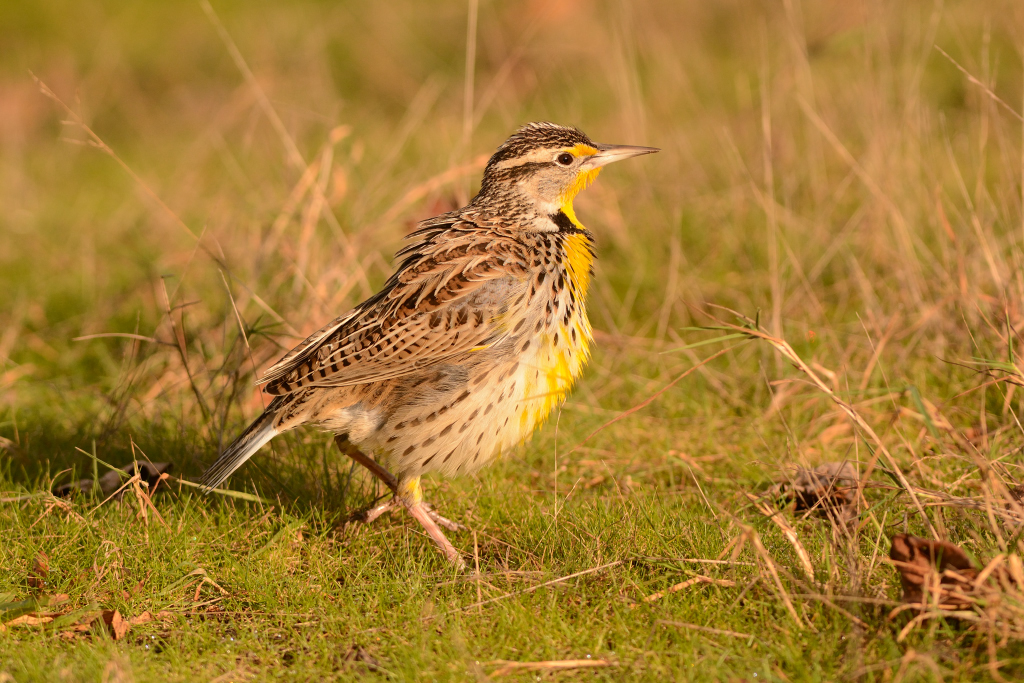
column 469, row 345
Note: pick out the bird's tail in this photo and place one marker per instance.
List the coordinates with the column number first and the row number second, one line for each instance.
column 241, row 449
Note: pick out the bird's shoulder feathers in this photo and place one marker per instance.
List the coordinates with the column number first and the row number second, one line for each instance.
column 450, row 295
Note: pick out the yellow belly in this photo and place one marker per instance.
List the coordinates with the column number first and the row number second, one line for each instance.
column 550, row 373
column 548, row 376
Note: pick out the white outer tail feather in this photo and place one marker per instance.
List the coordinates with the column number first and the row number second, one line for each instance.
column 241, row 449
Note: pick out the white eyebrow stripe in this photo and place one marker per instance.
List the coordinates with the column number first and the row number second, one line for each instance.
column 535, row 156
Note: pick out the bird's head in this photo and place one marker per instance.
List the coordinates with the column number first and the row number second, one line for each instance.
column 543, row 166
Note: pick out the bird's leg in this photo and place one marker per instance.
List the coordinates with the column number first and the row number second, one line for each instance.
column 350, row 449
column 410, row 495
column 375, row 511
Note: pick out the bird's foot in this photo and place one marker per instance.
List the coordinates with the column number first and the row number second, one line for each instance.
column 369, row 514
column 410, row 494
column 441, row 520
column 426, row 517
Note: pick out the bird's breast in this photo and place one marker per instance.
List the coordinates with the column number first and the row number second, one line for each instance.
column 555, row 356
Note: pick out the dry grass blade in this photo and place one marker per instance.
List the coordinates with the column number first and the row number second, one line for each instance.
column 508, row 667
column 789, row 532
column 552, row 582
column 98, row 142
column 294, row 156
column 755, row 539
column 703, row 629
column 686, row 584
column 123, row 335
column 988, row 91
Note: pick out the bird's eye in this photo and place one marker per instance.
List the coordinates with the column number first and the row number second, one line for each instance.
column 566, row 159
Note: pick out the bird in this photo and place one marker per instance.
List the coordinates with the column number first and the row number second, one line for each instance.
column 476, row 337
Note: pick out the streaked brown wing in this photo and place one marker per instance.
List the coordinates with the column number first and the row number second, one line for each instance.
column 450, row 296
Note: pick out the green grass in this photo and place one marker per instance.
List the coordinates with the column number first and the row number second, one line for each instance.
column 824, row 169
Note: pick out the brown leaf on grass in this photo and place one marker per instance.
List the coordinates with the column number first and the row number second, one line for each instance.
column 116, row 624
column 940, row 581
column 143, row 618
column 30, row 620
column 148, row 472
column 28, row 612
column 829, row 489
column 937, row 568
column 40, row 569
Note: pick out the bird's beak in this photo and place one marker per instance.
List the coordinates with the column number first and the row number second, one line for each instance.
column 606, row 154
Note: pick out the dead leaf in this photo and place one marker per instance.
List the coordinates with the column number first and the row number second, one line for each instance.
column 937, row 568
column 829, row 489
column 143, row 618
column 149, row 472
column 40, row 569
column 115, row 623
column 29, row 620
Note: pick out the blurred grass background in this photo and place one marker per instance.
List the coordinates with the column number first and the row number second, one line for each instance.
column 825, row 167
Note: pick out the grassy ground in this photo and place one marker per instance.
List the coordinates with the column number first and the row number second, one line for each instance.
column 826, row 169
